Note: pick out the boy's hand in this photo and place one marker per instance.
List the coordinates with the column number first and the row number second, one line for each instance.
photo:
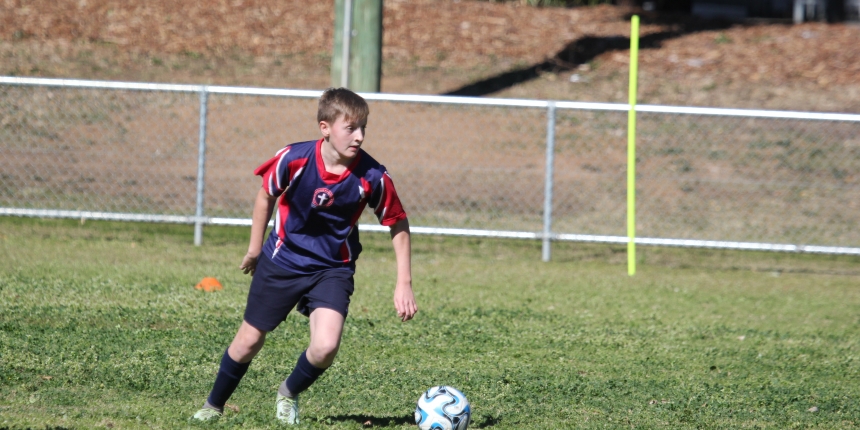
column 404, row 301
column 249, row 263
column 263, row 206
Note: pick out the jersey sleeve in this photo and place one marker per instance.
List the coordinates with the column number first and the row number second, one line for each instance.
column 278, row 171
column 385, row 202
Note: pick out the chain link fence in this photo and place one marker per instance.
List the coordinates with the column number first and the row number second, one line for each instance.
column 95, row 150
column 706, row 177
column 749, row 179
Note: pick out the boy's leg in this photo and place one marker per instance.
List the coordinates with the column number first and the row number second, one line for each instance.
column 326, row 329
column 248, row 342
column 235, row 362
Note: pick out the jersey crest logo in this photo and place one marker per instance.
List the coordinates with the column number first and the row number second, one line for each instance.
column 323, row 197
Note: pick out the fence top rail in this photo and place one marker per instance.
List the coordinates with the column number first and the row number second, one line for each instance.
column 435, row 99
column 111, row 85
column 751, row 113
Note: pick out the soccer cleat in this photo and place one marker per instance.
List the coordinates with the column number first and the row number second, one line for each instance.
column 287, row 409
column 206, row 414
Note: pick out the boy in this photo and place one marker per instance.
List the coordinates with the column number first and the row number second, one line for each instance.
column 308, row 261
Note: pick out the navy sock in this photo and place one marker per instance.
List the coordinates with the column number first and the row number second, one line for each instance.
column 304, row 374
column 227, row 380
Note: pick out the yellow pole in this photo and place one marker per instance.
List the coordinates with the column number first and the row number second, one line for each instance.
column 631, row 148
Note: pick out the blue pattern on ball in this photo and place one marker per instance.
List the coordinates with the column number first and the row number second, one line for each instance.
column 443, row 408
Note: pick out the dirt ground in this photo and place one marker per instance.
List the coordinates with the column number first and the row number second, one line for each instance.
column 441, row 46
column 722, row 178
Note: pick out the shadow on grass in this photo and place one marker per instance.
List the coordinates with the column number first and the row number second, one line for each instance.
column 40, row 428
column 367, row 421
column 587, row 48
column 486, row 422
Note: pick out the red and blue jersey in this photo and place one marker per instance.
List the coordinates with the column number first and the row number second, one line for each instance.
column 317, row 212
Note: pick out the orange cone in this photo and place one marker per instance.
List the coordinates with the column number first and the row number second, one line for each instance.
column 209, row 285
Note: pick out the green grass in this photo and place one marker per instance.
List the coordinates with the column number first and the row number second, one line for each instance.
column 100, row 326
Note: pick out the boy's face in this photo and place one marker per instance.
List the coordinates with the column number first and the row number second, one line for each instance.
column 344, row 136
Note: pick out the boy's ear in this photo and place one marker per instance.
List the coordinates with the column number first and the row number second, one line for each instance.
column 325, row 129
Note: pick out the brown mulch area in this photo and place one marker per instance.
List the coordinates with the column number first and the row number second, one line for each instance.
column 443, row 44
column 420, row 29
column 169, row 26
column 440, row 46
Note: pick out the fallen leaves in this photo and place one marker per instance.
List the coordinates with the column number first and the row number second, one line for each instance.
column 428, row 33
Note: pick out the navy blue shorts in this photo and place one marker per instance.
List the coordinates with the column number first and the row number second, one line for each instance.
column 275, row 291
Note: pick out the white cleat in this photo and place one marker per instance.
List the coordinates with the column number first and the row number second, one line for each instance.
column 206, row 414
column 287, row 409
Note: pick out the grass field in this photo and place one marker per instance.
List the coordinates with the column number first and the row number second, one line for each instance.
column 100, row 326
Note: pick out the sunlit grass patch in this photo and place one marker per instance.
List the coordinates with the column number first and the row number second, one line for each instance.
column 100, row 326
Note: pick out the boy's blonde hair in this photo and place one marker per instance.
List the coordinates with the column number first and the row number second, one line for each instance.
column 335, row 102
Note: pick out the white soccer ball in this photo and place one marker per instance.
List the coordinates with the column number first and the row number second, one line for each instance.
column 443, row 408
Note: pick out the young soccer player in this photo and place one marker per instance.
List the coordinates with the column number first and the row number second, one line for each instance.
column 308, row 261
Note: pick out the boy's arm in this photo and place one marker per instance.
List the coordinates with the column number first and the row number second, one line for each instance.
column 263, row 207
column 404, row 299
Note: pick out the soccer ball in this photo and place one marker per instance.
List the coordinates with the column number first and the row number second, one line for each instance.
column 443, row 408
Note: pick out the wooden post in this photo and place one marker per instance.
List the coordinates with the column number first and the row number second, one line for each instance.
column 365, row 59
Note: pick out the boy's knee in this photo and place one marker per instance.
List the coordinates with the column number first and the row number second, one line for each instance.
column 252, row 339
column 243, row 353
column 321, row 354
column 245, row 346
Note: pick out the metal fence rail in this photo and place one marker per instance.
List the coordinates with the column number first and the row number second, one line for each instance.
column 510, row 168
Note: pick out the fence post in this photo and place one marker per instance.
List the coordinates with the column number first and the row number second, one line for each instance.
column 366, row 61
column 346, row 43
column 547, row 196
column 340, row 64
column 201, row 167
column 631, row 147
